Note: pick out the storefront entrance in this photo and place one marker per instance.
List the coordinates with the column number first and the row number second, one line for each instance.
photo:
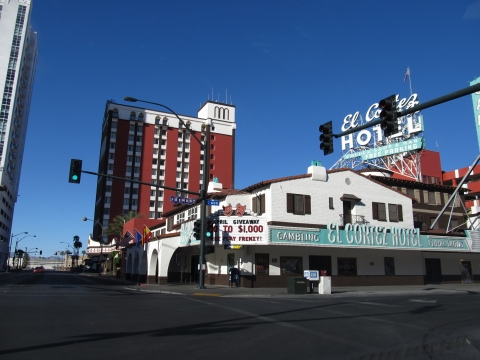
column 320, row 263
column 433, row 271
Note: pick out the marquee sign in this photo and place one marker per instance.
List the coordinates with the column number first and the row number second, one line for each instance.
column 408, row 126
column 104, row 249
column 246, row 230
column 362, row 236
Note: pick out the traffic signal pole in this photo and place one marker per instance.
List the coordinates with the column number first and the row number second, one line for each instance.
column 141, row 182
column 452, row 96
column 203, row 210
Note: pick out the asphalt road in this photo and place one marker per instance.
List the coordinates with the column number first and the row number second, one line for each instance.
column 68, row 316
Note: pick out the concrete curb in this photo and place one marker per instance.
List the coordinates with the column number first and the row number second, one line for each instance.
column 355, row 292
column 154, row 291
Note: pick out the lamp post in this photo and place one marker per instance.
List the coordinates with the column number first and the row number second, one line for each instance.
column 9, row 248
column 100, row 241
column 203, row 191
column 16, row 245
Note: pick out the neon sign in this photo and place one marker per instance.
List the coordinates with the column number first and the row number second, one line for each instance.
column 372, row 140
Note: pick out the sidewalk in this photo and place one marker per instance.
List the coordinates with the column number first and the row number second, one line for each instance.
column 365, row 291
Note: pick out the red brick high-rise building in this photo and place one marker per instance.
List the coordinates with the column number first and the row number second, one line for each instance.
column 153, row 146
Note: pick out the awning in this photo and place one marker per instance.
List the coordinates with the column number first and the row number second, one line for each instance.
column 350, row 197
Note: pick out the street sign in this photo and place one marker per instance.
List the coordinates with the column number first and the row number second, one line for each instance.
column 311, row 275
column 182, row 200
column 213, row 202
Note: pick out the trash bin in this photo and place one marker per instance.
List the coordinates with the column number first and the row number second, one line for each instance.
column 297, row 285
column 325, row 285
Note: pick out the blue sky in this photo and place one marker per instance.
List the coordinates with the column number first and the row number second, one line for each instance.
column 288, row 66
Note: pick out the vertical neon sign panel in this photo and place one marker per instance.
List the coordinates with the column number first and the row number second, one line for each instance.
column 476, row 108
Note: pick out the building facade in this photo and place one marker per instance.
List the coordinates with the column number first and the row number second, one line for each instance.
column 355, row 228
column 18, row 56
column 430, row 198
column 154, row 147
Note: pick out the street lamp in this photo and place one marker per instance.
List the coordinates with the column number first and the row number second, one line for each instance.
column 63, row 242
column 205, row 146
column 16, row 245
column 100, row 241
column 9, row 248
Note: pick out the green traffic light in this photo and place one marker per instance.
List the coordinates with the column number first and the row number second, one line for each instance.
column 208, row 234
column 75, row 171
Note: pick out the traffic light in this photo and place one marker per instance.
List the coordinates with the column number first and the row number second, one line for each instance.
column 40, row 252
column 197, row 229
column 389, row 114
column 56, row 253
column 326, row 138
column 209, row 249
column 75, row 171
column 209, row 230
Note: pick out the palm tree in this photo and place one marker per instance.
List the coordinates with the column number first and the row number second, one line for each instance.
column 77, row 244
column 26, row 259
column 116, row 226
column 62, row 254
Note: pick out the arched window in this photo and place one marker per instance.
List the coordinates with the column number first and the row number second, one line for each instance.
column 220, row 113
column 132, row 115
column 140, row 117
column 115, row 113
column 165, row 121
column 157, row 120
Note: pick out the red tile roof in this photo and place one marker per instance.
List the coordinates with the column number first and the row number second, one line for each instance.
column 260, row 184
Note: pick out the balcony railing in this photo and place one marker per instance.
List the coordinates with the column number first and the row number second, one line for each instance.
column 353, row 219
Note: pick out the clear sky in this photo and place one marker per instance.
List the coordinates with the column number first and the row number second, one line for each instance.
column 288, row 66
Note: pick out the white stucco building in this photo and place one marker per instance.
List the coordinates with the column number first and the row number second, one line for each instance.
column 356, row 229
column 18, row 56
